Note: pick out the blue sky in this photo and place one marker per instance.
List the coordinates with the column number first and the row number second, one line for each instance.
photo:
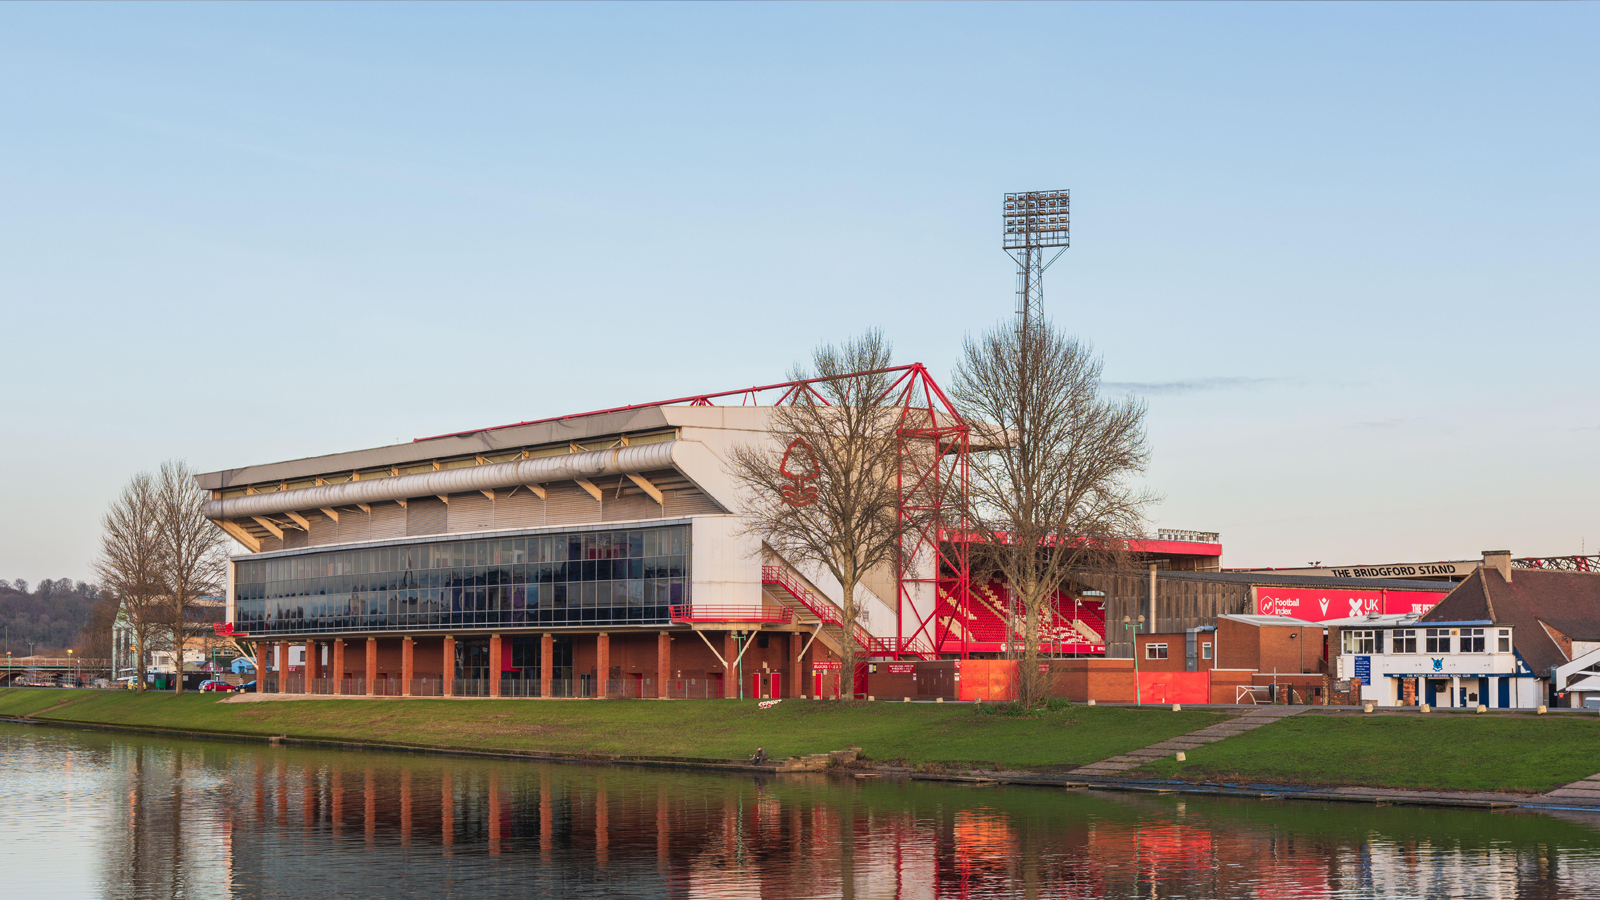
column 1346, row 251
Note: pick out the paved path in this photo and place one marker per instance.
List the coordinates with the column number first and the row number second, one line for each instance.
column 1585, row 792
column 1250, row 721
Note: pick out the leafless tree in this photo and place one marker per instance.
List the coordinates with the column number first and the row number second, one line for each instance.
column 194, row 560
column 1050, row 473
column 129, row 565
column 824, row 490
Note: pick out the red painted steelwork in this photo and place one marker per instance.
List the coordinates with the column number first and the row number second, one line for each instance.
column 701, row 612
column 931, row 480
column 696, row 400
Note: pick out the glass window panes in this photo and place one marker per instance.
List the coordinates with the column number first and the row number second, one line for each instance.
column 582, row 578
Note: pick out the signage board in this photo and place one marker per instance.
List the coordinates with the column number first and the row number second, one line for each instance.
column 1363, row 673
column 1322, row 604
column 901, row 668
column 1444, row 569
column 823, row 666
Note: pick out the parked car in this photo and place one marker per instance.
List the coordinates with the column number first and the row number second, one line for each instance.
column 216, row 685
column 247, row 687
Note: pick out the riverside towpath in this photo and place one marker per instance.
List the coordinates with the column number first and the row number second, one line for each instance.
column 1250, row 721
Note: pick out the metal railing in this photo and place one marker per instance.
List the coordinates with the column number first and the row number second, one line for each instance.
column 1183, row 534
column 694, row 689
column 829, row 614
column 427, row 687
column 705, row 612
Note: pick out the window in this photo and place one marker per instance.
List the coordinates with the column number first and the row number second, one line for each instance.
column 605, row 576
column 1472, row 640
column 1505, row 640
column 1205, row 650
column 1359, row 641
column 1155, row 651
column 1437, row 640
column 1405, row 641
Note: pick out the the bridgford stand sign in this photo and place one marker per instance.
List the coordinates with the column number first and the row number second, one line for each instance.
column 1446, row 569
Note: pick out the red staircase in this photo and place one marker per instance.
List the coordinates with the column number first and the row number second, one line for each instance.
column 787, row 589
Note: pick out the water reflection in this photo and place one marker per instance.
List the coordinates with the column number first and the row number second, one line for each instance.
column 95, row 815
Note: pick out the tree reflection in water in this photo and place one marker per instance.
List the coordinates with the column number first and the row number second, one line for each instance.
column 128, row 816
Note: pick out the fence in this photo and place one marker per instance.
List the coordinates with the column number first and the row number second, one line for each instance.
column 694, row 689
column 578, row 688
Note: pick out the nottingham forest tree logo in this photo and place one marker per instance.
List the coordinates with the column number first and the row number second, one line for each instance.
column 800, row 466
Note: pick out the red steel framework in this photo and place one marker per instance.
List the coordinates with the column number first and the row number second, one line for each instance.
column 931, row 479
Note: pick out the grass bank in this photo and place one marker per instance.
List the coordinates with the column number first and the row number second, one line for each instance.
column 915, row 733
column 1522, row 754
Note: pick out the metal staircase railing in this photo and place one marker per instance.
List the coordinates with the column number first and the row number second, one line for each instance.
column 830, row 616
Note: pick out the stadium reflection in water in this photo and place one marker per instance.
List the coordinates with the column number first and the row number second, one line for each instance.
column 99, row 815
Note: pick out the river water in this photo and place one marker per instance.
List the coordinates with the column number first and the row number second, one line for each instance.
column 98, row 815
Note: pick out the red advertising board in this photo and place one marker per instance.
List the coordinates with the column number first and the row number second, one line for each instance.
column 1320, row 604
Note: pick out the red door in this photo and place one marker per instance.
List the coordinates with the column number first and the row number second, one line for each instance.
column 756, row 685
column 818, row 694
column 777, row 686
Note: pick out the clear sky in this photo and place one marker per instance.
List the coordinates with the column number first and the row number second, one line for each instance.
column 1348, row 252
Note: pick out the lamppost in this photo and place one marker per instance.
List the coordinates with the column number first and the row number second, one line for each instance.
column 1138, row 698
column 72, row 664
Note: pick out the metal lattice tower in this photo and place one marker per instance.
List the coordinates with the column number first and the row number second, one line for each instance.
column 1035, row 223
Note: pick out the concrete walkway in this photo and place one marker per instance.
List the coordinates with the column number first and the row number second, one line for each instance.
column 1250, row 721
column 1582, row 793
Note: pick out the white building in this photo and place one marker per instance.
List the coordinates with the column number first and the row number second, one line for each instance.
column 1401, row 661
column 1507, row 637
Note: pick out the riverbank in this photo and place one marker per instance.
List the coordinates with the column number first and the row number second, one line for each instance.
column 1523, row 754
column 912, row 735
column 1485, row 761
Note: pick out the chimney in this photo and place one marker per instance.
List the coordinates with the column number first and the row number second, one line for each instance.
column 1500, row 560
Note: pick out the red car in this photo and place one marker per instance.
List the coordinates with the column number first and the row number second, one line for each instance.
column 222, row 686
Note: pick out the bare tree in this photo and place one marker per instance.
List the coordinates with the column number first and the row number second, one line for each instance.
column 825, row 491
column 1050, row 471
column 129, row 565
column 194, row 560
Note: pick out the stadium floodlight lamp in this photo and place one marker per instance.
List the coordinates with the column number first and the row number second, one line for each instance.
column 1036, row 219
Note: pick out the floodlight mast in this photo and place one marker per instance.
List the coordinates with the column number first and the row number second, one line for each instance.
column 1034, row 222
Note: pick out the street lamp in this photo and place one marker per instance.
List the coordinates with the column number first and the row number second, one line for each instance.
column 1135, row 626
column 72, row 664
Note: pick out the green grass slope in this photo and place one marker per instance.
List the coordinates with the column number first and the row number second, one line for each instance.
column 721, row 729
column 1521, row 754
column 27, row 701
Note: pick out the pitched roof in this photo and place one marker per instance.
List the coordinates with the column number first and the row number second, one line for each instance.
column 1569, row 602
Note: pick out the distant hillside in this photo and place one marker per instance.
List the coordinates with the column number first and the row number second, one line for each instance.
column 53, row 616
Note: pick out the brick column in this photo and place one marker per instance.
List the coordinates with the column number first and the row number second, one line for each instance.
column 602, row 663
column 311, row 665
column 793, row 674
column 448, row 676
column 283, row 664
column 547, row 663
column 663, row 663
column 407, row 667
column 730, row 675
column 496, row 647
column 338, row 666
column 372, row 666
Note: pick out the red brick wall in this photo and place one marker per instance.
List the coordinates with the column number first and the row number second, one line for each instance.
column 1176, row 648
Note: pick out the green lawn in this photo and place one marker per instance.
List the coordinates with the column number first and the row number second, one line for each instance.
column 1522, row 754
column 27, row 701
column 722, row 729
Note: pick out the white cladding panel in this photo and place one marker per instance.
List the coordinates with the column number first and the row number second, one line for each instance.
column 726, row 566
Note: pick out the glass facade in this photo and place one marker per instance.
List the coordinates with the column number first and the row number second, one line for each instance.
column 588, row 578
